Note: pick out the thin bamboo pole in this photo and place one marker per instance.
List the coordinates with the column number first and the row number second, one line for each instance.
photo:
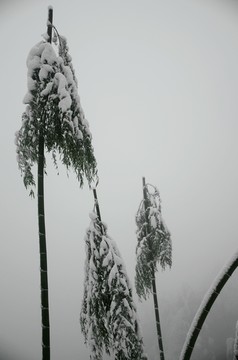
column 97, row 205
column 155, row 297
column 205, row 307
column 45, row 319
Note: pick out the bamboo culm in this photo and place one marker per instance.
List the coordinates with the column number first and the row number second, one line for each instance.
column 43, row 257
column 45, row 318
column 157, row 317
column 205, row 308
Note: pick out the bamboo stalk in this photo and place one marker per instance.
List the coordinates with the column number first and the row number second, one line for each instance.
column 157, row 317
column 98, row 211
column 155, row 297
column 97, row 205
column 205, row 307
column 45, row 319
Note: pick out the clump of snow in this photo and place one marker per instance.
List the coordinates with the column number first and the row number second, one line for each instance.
column 62, row 90
column 44, row 71
column 47, row 89
column 33, row 60
column 107, row 259
column 31, row 84
column 103, row 247
column 93, row 216
column 48, row 55
column 27, row 98
column 112, row 274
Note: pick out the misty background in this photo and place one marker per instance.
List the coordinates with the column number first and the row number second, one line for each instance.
column 158, row 82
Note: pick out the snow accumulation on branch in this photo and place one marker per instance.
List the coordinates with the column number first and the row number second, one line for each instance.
column 53, row 110
column 154, row 245
column 206, row 305
column 108, row 317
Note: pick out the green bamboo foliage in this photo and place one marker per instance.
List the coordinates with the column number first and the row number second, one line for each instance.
column 108, row 316
column 154, row 241
column 53, row 110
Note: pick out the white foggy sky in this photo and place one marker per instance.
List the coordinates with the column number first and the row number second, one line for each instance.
column 158, row 82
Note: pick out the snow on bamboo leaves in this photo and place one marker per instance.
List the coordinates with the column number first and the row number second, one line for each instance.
column 108, row 316
column 54, row 110
column 154, row 242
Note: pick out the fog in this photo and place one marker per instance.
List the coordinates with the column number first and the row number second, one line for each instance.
column 158, row 82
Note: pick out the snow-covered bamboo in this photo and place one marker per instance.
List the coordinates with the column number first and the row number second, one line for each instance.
column 108, row 317
column 154, row 247
column 206, row 305
column 53, row 110
column 53, row 121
